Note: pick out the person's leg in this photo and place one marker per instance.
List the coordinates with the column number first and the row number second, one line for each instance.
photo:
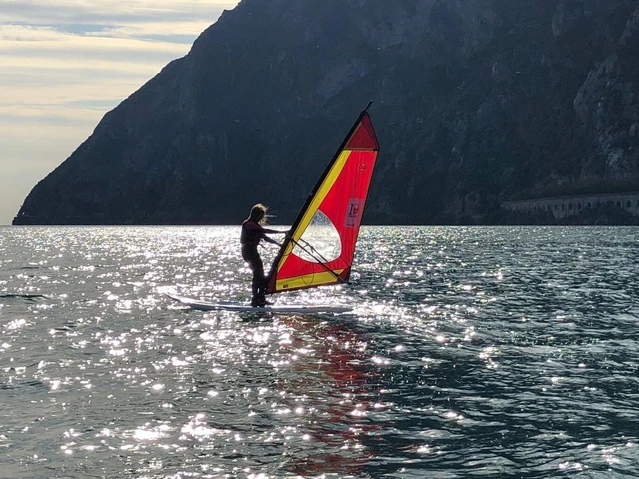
column 257, row 285
column 261, row 281
column 261, row 295
column 252, row 257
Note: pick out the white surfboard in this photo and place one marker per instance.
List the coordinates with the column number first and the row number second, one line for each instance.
column 243, row 307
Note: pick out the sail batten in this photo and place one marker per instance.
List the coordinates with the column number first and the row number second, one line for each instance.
column 328, row 224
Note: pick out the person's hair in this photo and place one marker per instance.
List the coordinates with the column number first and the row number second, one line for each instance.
column 258, row 214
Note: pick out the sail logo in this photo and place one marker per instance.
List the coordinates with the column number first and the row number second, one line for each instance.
column 362, row 167
column 353, row 212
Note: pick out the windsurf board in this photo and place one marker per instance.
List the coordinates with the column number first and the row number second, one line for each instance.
column 243, row 307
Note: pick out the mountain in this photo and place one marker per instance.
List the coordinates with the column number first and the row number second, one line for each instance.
column 475, row 102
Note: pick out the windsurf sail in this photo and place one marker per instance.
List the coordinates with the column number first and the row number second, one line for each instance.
column 321, row 245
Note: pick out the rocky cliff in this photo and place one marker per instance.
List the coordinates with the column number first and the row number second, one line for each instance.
column 475, row 102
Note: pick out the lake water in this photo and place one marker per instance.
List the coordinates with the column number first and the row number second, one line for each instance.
column 471, row 352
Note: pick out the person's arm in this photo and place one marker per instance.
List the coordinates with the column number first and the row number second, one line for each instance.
column 250, row 225
column 265, row 231
column 269, row 231
column 270, row 240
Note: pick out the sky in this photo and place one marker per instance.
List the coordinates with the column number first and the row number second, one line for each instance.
column 65, row 63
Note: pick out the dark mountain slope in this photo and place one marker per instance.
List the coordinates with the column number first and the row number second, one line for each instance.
column 475, row 101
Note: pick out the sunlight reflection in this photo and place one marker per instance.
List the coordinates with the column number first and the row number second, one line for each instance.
column 441, row 347
column 198, row 429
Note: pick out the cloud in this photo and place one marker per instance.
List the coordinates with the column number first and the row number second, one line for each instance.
column 64, row 63
column 110, row 12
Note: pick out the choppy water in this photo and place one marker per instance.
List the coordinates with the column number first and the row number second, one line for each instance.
column 471, row 352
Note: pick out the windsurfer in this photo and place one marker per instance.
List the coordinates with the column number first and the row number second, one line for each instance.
column 252, row 232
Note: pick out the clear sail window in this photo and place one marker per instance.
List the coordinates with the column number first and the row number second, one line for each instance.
column 320, row 242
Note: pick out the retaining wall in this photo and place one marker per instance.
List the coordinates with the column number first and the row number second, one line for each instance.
column 560, row 207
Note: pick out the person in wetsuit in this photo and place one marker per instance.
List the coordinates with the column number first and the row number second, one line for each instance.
column 253, row 232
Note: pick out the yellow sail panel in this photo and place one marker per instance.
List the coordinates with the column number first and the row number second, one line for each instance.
column 307, row 281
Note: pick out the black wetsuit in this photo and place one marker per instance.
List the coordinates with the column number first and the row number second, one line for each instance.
column 250, row 238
